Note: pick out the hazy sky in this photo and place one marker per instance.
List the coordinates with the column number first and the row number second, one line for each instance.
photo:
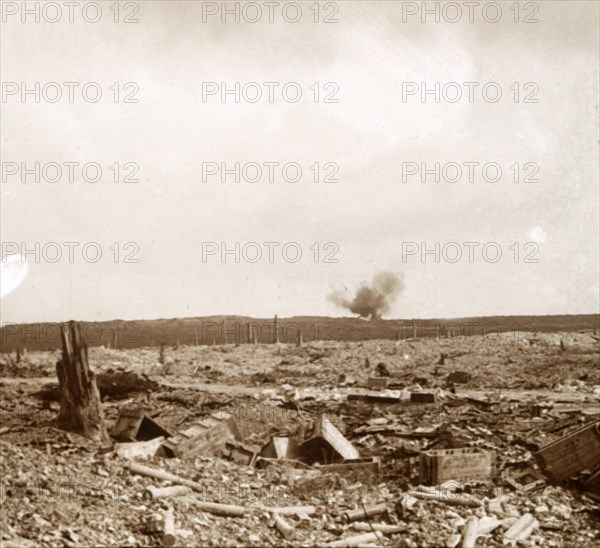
column 370, row 133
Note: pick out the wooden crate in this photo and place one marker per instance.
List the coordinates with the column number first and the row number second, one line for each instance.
column 378, row 383
column 423, row 397
column 466, row 464
column 204, row 438
column 135, row 425
column 571, row 454
column 365, row 470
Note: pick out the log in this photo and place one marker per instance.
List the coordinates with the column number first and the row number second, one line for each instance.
column 227, row 510
column 522, row 528
column 366, row 512
column 164, row 476
column 292, row 510
column 153, row 493
column 470, row 532
column 453, row 500
column 357, row 540
column 169, row 538
column 381, row 527
column 487, row 524
column 287, row 531
column 80, row 407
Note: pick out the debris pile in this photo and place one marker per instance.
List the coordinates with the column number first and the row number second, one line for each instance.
column 399, row 455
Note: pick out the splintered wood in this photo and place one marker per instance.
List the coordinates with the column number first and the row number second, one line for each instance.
column 80, row 407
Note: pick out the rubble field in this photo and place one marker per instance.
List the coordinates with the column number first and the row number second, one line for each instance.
column 463, row 441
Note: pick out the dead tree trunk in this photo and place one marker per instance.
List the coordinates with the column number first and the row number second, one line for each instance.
column 80, row 408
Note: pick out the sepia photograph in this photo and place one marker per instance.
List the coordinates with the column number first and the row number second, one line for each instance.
column 301, row 273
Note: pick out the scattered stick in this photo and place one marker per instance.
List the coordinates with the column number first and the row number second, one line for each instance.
column 470, row 532
column 214, row 507
column 169, row 538
column 210, row 507
column 522, row 528
column 453, row 500
column 162, row 475
column 292, row 510
column 380, row 527
column 366, row 512
column 153, row 493
column 287, row 531
column 357, row 540
column 227, row 510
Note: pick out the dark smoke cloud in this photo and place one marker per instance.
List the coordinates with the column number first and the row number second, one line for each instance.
column 371, row 301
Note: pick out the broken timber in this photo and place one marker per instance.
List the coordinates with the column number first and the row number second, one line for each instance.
column 280, row 448
column 326, row 442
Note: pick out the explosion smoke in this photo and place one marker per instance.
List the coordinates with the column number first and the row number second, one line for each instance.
column 371, row 301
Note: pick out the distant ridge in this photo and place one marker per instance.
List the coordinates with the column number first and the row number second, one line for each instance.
column 209, row 329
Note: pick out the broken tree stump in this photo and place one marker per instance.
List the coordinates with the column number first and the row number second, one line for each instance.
column 80, row 408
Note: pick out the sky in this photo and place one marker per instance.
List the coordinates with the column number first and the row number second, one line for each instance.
column 177, row 219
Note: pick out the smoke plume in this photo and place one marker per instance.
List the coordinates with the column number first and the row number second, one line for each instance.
column 371, row 301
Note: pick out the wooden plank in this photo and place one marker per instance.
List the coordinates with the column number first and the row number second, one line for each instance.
column 144, row 449
column 328, row 432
